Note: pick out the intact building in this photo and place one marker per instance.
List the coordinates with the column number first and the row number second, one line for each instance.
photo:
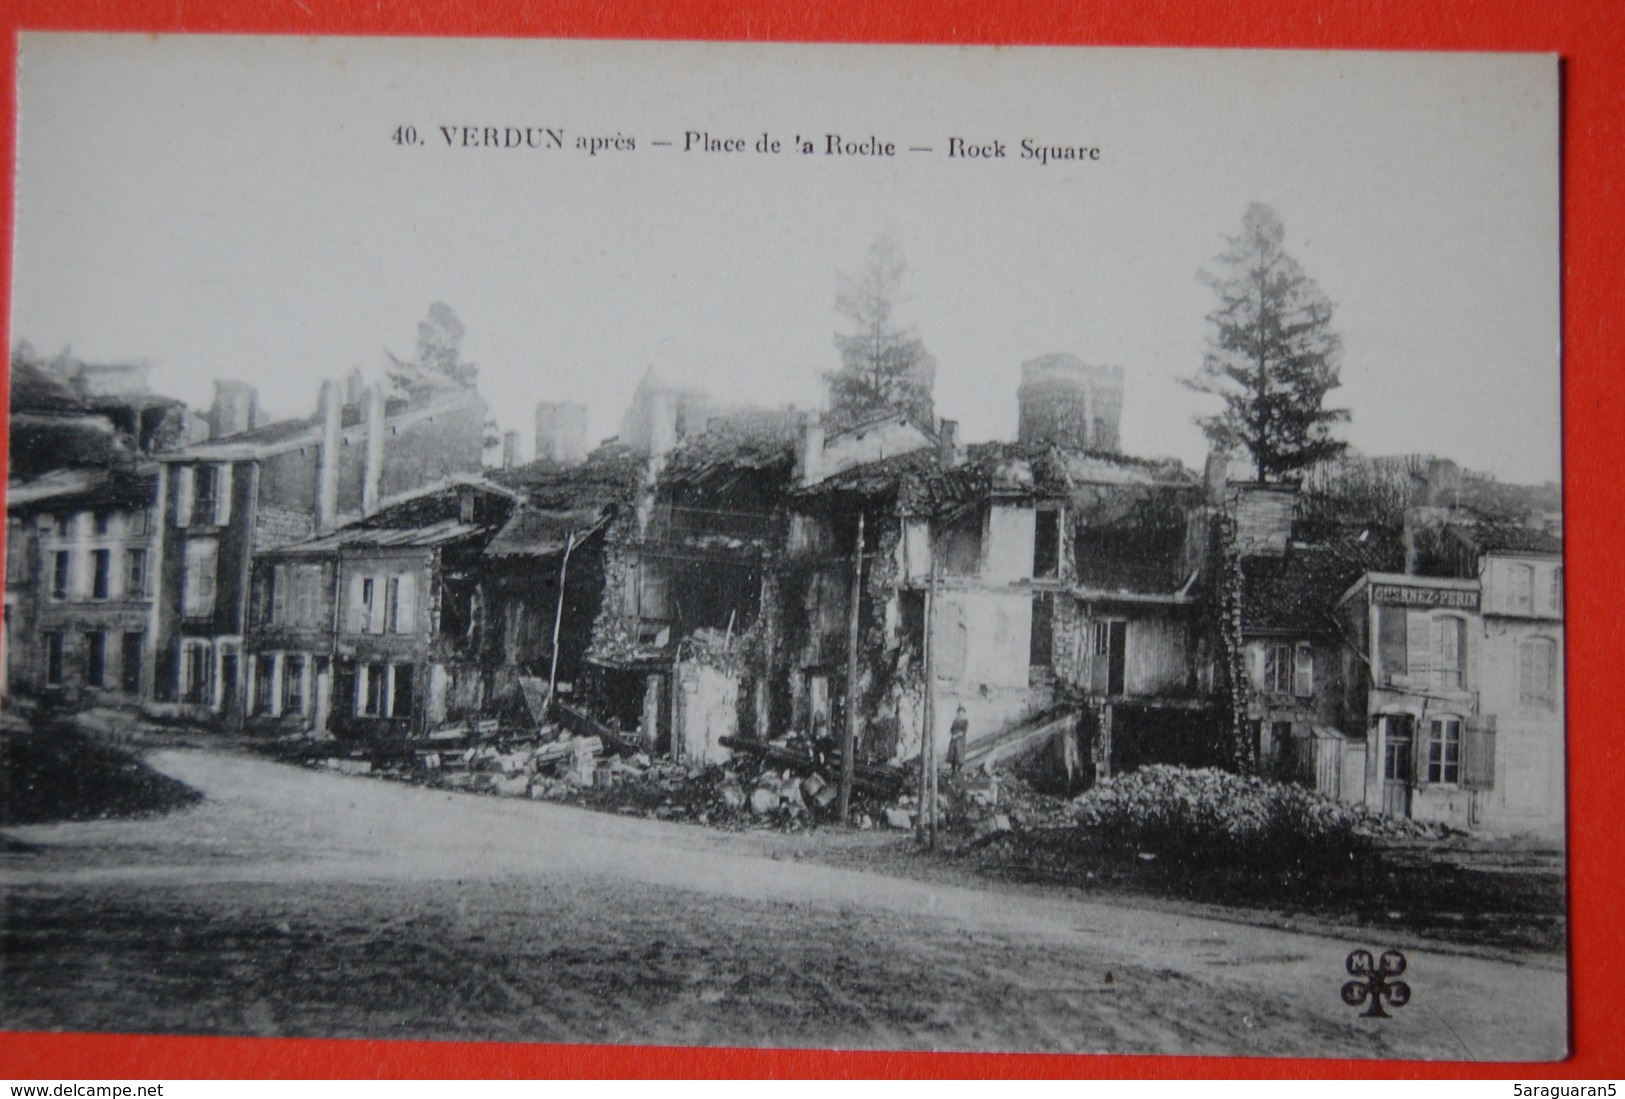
column 79, row 583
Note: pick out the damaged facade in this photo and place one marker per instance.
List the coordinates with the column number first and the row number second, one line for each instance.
column 682, row 648
column 376, row 629
column 1388, row 632
column 222, row 502
column 1058, row 587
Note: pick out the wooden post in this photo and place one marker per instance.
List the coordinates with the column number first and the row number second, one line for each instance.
column 928, row 804
column 923, row 822
column 558, row 620
column 850, row 738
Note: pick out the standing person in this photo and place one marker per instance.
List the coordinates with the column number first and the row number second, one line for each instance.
column 957, row 732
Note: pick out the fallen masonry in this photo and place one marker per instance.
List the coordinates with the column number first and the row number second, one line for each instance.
column 782, row 784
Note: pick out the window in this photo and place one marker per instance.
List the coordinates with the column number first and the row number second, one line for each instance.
column 1537, row 674
column 1520, row 589
column 197, row 668
column 911, row 621
column 102, row 576
column 400, row 694
column 1396, row 748
column 63, row 561
column 130, row 662
column 1393, row 657
column 1042, row 644
column 203, row 494
column 138, row 523
column 1444, row 750
column 1108, row 669
column 1278, row 669
column 293, row 685
column 197, row 582
column 374, row 683
column 270, row 594
column 135, row 573
column 400, row 605
column 222, row 495
column 1047, row 543
column 96, row 658
column 652, row 594
column 294, row 597
column 306, row 584
column 1555, row 595
column 53, row 659
column 264, row 677
column 1449, row 644
column 103, row 522
column 17, row 556
column 962, row 545
column 1303, row 670
column 64, row 525
column 366, row 612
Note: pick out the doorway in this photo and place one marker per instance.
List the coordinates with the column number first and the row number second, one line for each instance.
column 1398, row 763
column 1109, row 668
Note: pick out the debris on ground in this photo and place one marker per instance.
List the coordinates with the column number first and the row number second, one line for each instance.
column 787, row 784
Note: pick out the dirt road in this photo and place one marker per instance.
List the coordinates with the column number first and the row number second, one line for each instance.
column 294, row 902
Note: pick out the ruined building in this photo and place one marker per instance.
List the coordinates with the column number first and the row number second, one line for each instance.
column 561, row 432
column 221, row 502
column 67, row 413
column 1070, row 403
column 376, row 628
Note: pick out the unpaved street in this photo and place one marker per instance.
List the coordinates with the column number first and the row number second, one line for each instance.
column 293, row 902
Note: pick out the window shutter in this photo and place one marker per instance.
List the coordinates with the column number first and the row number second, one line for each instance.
column 206, row 573
column 1421, row 745
column 356, row 618
column 1303, row 671
column 222, row 494
column 183, row 496
column 280, row 576
column 406, row 608
column 1418, row 648
column 1478, row 753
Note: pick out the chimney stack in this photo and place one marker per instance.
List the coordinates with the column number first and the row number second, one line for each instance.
column 235, row 409
column 327, row 457
column 1218, row 465
column 372, row 471
column 950, row 454
column 809, row 450
column 561, row 432
column 510, row 449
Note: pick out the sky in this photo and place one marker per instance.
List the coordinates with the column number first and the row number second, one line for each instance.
column 239, row 208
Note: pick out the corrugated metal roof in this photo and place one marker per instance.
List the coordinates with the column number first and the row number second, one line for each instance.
column 442, row 533
column 533, row 532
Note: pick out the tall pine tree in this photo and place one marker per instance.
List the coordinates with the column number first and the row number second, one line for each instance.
column 1272, row 354
column 884, row 367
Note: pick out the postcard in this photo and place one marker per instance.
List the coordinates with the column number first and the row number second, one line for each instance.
column 836, row 547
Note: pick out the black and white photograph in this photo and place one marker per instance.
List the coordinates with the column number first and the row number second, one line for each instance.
column 786, row 546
